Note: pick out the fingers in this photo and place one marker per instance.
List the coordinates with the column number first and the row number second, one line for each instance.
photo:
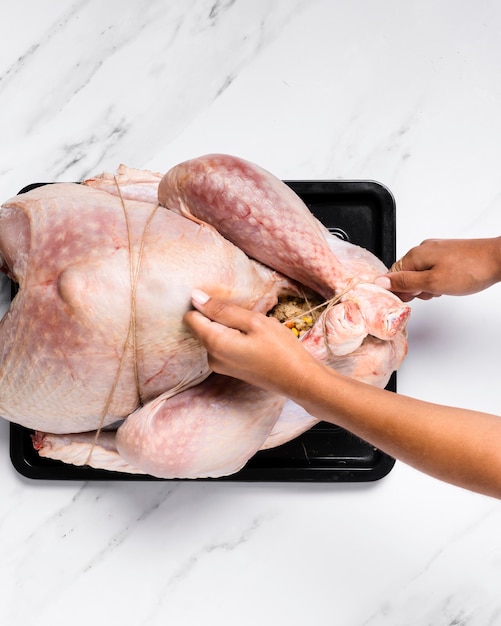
column 247, row 345
column 238, row 341
column 213, row 325
column 202, row 322
column 410, row 276
column 199, row 297
column 222, row 325
column 407, row 284
column 197, row 323
column 221, row 311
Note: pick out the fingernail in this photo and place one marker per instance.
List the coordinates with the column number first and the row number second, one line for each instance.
column 200, row 297
column 383, row 281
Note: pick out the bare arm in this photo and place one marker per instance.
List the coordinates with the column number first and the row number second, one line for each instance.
column 455, row 445
column 446, row 266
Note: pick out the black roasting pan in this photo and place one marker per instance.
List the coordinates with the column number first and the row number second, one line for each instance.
column 362, row 212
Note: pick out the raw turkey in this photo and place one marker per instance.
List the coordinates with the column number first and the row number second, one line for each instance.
column 94, row 355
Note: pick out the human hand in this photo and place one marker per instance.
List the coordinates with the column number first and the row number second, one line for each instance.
column 248, row 345
column 445, row 266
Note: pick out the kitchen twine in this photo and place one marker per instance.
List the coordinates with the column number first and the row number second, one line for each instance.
column 131, row 337
column 326, row 306
column 354, row 282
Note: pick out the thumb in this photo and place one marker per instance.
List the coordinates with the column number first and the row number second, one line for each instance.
column 406, row 283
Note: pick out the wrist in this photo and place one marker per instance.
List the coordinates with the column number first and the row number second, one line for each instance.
column 317, row 389
column 497, row 259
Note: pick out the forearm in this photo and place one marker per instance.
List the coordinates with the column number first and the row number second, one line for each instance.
column 459, row 446
column 455, row 445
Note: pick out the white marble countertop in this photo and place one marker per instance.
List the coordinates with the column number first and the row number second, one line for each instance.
column 408, row 94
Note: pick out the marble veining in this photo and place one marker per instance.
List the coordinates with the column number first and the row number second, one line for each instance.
column 407, row 94
column 455, row 601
